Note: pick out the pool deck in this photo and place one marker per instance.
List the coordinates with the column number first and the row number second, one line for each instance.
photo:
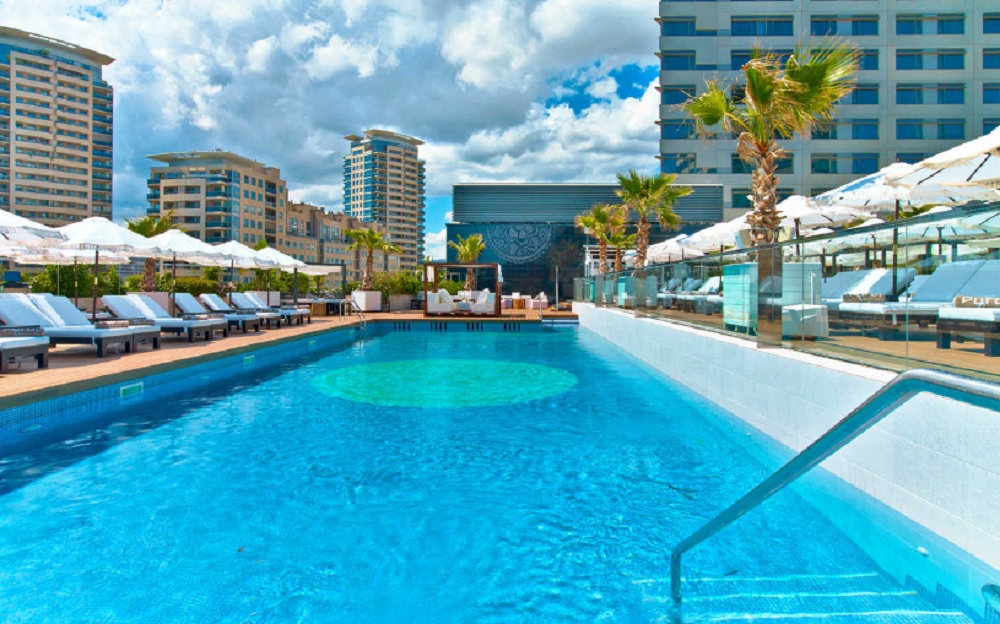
column 73, row 368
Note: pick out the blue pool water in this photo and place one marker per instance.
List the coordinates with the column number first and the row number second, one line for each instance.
column 421, row 477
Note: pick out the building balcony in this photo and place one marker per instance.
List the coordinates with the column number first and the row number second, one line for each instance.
column 153, row 197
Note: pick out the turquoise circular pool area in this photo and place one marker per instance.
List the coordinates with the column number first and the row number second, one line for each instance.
column 445, row 383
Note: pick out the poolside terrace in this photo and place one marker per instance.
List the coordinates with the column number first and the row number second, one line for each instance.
column 73, row 368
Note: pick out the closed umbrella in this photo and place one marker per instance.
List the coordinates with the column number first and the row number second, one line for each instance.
column 97, row 234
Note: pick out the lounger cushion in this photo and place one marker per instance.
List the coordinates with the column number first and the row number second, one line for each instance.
column 17, row 311
column 989, row 315
column 148, row 306
column 60, row 309
column 9, row 342
column 122, row 307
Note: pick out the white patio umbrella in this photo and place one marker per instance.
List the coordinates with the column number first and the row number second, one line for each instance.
column 238, row 255
column 16, row 230
column 721, row 234
column 64, row 257
column 179, row 244
column 798, row 212
column 99, row 234
column 973, row 162
column 672, row 251
column 285, row 263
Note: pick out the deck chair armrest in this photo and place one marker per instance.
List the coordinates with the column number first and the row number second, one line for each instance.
column 246, row 311
column 199, row 316
column 19, row 331
column 140, row 321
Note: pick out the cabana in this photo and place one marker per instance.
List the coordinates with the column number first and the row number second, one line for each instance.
column 479, row 303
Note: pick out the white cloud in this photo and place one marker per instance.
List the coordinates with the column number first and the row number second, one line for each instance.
column 282, row 81
column 436, row 244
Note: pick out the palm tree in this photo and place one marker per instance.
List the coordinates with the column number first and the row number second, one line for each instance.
column 600, row 222
column 779, row 100
column 619, row 240
column 371, row 241
column 149, row 226
column 648, row 197
column 468, row 250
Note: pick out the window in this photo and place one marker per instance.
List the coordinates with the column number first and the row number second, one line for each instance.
column 739, row 166
column 824, row 163
column 678, row 60
column 864, row 163
column 991, row 59
column 951, row 94
column 909, row 94
column 868, row 60
column 864, row 26
column 952, row 129
column 907, row 129
column 779, row 26
column 989, row 125
column 909, row 59
column 951, row 25
column 677, row 27
column 950, row 59
column 824, row 132
column 741, row 198
column 739, row 58
column 910, row 157
column 678, row 163
column 676, row 94
column 991, row 23
column 822, row 26
column 865, row 94
column 991, row 93
column 909, row 25
column 864, row 129
column 676, row 129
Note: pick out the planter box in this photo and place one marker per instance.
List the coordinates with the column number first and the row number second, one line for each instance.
column 368, row 300
column 399, row 302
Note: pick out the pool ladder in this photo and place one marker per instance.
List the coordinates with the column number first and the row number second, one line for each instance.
column 879, row 405
column 358, row 312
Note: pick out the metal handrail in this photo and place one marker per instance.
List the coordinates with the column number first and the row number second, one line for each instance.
column 359, row 313
column 886, row 400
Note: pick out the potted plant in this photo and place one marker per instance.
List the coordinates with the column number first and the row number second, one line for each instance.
column 367, row 298
column 398, row 288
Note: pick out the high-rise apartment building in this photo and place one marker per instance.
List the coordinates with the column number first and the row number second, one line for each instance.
column 929, row 79
column 55, row 129
column 219, row 196
column 384, row 185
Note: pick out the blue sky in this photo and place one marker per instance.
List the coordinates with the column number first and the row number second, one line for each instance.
column 504, row 90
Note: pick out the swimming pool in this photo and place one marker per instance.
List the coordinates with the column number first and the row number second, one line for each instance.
column 420, row 477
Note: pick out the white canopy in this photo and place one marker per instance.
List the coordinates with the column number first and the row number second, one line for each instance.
column 281, row 260
column 320, row 269
column 100, row 233
column 68, row 256
column 240, row 256
column 16, row 230
column 972, row 162
column 671, row 251
column 186, row 247
column 809, row 214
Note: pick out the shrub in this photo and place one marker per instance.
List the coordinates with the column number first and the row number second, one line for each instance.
column 196, row 285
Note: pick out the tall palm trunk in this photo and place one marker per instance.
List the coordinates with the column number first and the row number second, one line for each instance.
column 149, row 275
column 618, row 259
column 470, row 278
column 602, row 256
column 764, row 188
column 369, row 267
column 641, row 242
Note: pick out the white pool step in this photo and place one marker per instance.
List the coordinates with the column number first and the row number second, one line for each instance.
column 860, row 597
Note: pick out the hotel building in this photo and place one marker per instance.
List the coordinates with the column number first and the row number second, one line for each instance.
column 384, row 185
column 56, row 126
column 219, row 196
column 929, row 79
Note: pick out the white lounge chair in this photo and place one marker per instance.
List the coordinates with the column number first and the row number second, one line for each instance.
column 690, row 302
column 21, row 310
column 189, row 305
column 440, row 303
column 23, row 342
column 289, row 314
column 983, row 291
column 541, row 302
column 140, row 306
column 217, row 304
column 485, row 304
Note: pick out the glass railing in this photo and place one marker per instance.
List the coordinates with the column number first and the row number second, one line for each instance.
column 922, row 292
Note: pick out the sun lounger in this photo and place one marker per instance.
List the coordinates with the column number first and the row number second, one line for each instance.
column 695, row 301
column 975, row 310
column 64, row 313
column 21, row 310
column 940, row 290
column 189, row 305
column 289, row 314
column 215, row 303
column 139, row 306
column 17, row 342
column 688, row 286
column 485, row 304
